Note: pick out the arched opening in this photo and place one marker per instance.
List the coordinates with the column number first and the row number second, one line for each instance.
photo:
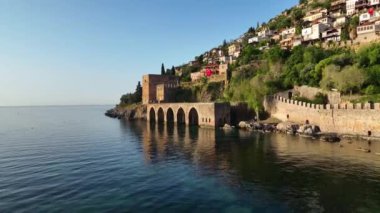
column 170, row 116
column 161, row 115
column 152, row 115
column 193, row 117
column 181, row 116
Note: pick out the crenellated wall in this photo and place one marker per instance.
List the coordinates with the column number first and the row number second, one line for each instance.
column 356, row 119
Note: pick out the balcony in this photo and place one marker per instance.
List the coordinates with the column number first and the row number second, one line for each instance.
column 339, row 5
column 362, row 4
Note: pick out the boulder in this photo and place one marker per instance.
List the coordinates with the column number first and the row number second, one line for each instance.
column 287, row 127
column 257, row 125
column 269, row 128
column 227, row 127
column 310, row 130
column 331, row 137
column 244, row 125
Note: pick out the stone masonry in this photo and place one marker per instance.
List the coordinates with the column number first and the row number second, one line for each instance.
column 201, row 114
column 356, row 119
column 150, row 83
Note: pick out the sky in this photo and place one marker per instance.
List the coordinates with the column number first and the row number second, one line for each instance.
column 87, row 52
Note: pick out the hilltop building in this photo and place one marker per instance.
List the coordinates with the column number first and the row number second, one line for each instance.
column 314, row 32
column 288, row 37
column 213, row 72
column 350, row 7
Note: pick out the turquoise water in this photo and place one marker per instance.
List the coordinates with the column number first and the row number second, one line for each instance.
column 74, row 159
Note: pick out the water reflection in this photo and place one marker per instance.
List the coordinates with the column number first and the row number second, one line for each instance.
column 300, row 173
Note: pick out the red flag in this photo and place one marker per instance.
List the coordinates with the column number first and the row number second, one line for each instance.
column 208, row 72
column 371, row 11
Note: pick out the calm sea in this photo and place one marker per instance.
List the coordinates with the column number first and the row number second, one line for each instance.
column 74, row 159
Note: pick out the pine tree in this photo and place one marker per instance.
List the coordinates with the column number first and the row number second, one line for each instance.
column 168, row 71
column 173, row 71
column 224, row 43
column 138, row 93
column 162, row 69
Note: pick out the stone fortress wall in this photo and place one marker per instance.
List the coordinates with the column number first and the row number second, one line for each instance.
column 355, row 119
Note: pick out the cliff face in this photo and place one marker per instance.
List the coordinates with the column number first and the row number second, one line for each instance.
column 135, row 112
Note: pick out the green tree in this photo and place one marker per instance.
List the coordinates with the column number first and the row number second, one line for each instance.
column 172, row 71
column 349, row 79
column 297, row 15
column 251, row 30
column 132, row 98
column 162, row 69
column 275, row 54
column 168, row 72
column 138, row 93
column 248, row 54
column 329, row 73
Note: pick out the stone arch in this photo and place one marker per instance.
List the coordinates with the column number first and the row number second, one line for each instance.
column 193, row 117
column 170, row 116
column 152, row 115
column 160, row 115
column 181, row 117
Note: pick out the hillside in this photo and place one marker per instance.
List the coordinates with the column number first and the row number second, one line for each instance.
column 326, row 44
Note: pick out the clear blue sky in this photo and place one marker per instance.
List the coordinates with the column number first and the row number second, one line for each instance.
column 63, row 52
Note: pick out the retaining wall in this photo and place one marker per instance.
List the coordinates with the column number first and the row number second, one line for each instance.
column 358, row 119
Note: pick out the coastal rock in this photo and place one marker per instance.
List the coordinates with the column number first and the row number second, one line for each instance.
column 309, row 130
column 287, row 127
column 244, row 125
column 269, row 127
column 330, row 137
column 257, row 126
column 111, row 113
column 128, row 113
column 227, row 127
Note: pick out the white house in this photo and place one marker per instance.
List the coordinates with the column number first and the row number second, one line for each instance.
column 224, row 59
column 374, row 2
column 313, row 32
column 340, row 21
column 253, row 40
column 350, row 7
column 325, row 20
column 315, row 14
column 288, row 32
column 234, row 50
column 366, row 17
column 297, row 41
column 338, row 8
column 265, row 33
column 368, row 32
column 287, row 38
column 331, row 34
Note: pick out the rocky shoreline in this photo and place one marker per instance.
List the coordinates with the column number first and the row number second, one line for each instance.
column 136, row 112
column 303, row 130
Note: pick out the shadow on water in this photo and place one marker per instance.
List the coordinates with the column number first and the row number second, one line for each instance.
column 303, row 174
